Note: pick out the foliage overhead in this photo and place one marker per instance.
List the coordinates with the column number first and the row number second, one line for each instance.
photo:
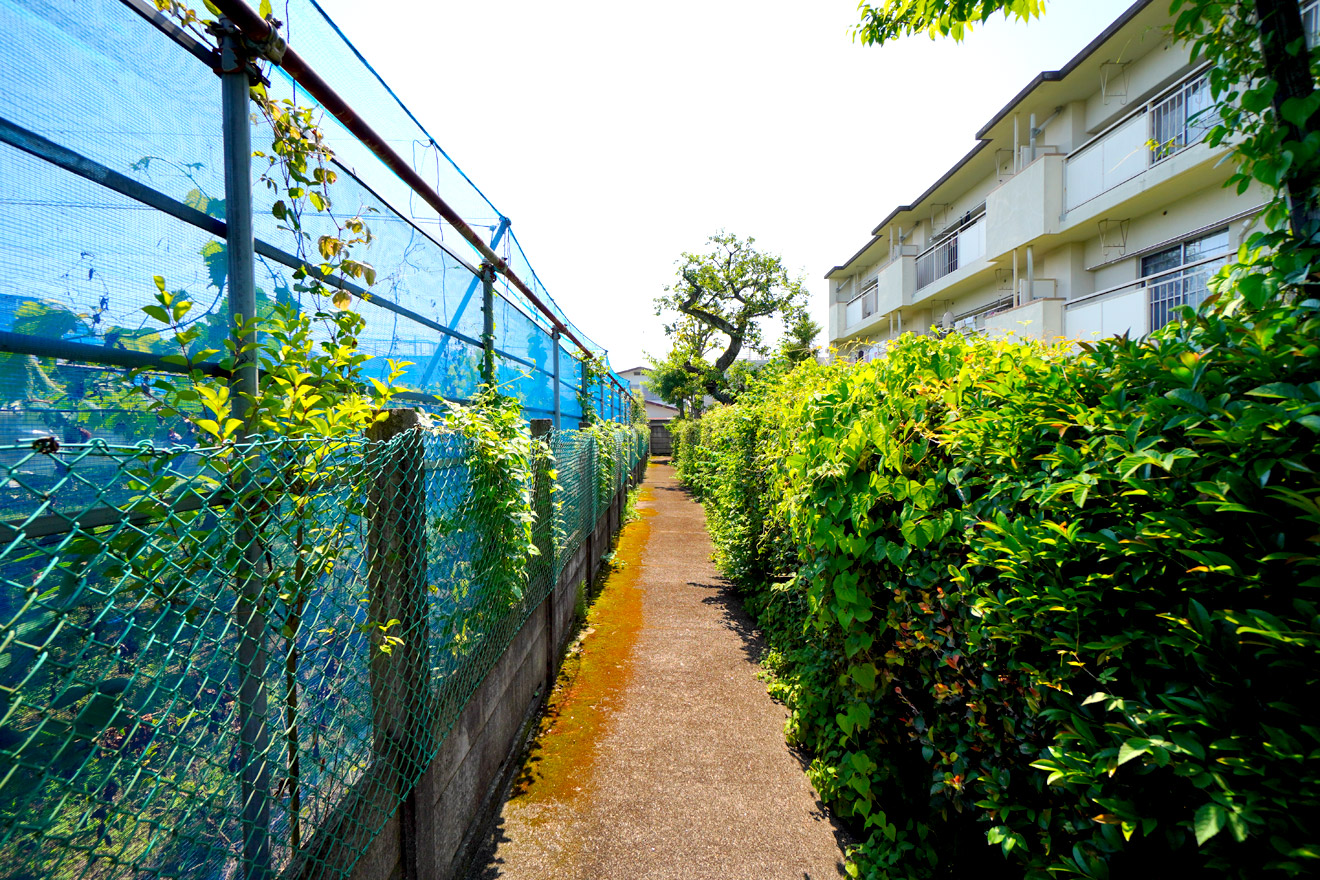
column 939, row 18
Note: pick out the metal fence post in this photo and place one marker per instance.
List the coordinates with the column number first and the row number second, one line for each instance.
column 594, row 482
column 543, row 533
column 397, row 575
column 555, row 336
column 488, row 324
column 240, row 252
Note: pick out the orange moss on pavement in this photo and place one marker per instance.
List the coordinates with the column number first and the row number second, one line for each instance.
column 591, row 681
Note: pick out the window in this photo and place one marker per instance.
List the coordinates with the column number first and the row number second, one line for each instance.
column 1177, row 276
column 1182, row 119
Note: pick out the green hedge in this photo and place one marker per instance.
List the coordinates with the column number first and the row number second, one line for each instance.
column 1064, row 604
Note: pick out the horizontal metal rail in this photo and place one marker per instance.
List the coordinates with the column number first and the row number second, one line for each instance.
column 1142, row 282
column 259, row 31
column 49, row 524
column 47, row 150
column 40, row 346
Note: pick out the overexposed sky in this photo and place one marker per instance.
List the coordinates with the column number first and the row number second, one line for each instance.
column 617, row 135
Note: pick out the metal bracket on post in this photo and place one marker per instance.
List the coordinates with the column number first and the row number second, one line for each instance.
column 240, row 250
column 488, row 324
column 238, row 54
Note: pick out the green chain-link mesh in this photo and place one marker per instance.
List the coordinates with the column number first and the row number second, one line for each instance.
column 288, row 627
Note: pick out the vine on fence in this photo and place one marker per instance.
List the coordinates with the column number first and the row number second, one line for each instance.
column 593, row 374
column 490, row 535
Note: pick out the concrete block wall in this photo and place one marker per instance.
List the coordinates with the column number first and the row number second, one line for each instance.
column 438, row 829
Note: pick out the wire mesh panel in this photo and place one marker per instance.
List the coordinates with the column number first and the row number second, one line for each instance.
column 234, row 662
column 294, row 626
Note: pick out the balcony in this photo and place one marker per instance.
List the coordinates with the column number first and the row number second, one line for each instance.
column 888, row 289
column 1038, row 319
column 976, row 320
column 1143, row 305
column 964, row 246
column 1026, row 206
column 1311, row 22
column 1185, row 286
column 1158, row 131
column 860, row 307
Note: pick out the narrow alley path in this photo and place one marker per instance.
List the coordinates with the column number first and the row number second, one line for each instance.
column 662, row 755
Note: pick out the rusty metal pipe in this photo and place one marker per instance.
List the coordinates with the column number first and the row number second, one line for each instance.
column 259, row 31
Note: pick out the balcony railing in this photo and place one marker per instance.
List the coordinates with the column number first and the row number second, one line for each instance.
column 861, row 306
column 1184, row 286
column 964, row 246
column 975, row 320
column 1163, row 294
column 1311, row 22
column 1164, row 127
column 1181, row 119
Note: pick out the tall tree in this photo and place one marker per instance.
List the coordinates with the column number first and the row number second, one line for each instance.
column 727, row 290
column 1261, row 77
column 800, row 338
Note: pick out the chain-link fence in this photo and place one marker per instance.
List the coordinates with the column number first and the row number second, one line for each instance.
column 236, row 662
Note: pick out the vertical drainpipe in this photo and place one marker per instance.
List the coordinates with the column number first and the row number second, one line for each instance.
column 240, row 252
column 1016, row 297
column 1031, row 274
column 1031, row 137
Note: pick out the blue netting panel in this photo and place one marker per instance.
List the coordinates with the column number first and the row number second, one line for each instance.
column 96, row 78
column 77, row 255
column 328, row 51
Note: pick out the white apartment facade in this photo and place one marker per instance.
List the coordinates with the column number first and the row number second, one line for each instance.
column 1090, row 207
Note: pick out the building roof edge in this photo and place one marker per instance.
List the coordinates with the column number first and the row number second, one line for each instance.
column 1043, row 77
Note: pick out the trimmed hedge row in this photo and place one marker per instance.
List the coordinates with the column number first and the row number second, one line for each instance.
column 1063, row 604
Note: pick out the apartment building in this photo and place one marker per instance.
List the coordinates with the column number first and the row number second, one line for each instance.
column 1090, row 207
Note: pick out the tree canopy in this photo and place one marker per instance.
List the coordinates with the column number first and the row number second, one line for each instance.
column 722, row 294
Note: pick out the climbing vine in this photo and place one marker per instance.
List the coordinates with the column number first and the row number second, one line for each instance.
column 489, row 533
column 594, row 372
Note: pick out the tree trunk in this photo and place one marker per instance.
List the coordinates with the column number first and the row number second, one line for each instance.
column 1280, row 23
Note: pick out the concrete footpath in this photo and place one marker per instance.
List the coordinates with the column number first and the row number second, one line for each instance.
column 661, row 755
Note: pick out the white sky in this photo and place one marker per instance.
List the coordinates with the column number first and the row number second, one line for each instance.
column 620, row 134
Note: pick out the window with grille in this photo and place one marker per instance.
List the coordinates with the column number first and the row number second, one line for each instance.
column 1177, row 276
column 1182, row 118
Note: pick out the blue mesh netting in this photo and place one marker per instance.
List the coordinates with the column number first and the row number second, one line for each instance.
column 97, row 82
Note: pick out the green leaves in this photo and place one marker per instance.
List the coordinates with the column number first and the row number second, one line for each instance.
column 1118, row 641
column 945, row 18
